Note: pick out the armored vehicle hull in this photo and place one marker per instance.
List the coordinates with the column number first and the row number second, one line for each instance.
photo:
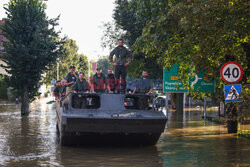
column 108, row 119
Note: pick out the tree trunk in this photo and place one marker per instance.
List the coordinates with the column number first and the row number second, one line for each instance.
column 179, row 103
column 25, row 102
column 173, row 100
column 232, row 122
column 232, row 126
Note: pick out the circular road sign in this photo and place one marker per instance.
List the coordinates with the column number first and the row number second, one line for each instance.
column 231, row 72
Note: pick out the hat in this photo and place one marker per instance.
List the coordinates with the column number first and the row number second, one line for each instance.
column 72, row 66
column 98, row 68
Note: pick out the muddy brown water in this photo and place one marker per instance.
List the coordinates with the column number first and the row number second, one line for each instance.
column 32, row 141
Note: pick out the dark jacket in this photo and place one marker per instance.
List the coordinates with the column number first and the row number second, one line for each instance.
column 63, row 91
column 143, row 85
column 80, row 86
column 57, row 91
column 111, row 81
column 121, row 54
column 70, row 77
column 99, row 82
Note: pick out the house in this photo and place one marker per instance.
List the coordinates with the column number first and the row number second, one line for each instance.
column 2, row 38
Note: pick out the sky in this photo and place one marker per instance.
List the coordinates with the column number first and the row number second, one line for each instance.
column 80, row 20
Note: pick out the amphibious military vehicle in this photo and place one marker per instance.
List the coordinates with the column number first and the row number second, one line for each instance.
column 109, row 119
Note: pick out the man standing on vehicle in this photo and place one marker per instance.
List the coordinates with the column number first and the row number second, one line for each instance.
column 71, row 76
column 121, row 53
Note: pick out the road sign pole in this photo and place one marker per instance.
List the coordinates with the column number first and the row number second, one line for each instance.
column 205, row 111
column 167, row 105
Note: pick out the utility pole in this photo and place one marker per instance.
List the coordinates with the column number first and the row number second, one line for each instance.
column 57, row 69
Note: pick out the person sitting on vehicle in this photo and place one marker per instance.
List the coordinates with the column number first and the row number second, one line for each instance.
column 98, row 82
column 56, row 91
column 110, row 81
column 79, row 87
column 143, row 86
column 63, row 89
column 72, row 76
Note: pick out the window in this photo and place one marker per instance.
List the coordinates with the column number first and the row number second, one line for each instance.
column 85, row 101
column 138, row 102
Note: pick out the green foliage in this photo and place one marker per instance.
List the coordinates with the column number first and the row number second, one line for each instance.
column 201, row 35
column 68, row 56
column 82, row 64
column 111, row 33
column 31, row 47
column 103, row 63
column 198, row 35
column 244, row 133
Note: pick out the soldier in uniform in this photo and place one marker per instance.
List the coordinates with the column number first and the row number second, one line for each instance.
column 72, row 76
column 98, row 82
column 56, row 91
column 79, row 87
column 143, row 86
column 121, row 53
column 110, row 81
column 63, row 89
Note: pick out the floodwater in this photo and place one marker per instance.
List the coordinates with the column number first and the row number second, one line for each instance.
column 32, row 141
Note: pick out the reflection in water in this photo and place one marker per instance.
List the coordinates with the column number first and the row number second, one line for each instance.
column 111, row 156
column 193, row 144
column 32, row 141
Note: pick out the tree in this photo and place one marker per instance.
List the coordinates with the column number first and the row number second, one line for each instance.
column 200, row 35
column 31, row 47
column 82, row 65
column 103, row 63
column 111, row 33
column 191, row 34
column 68, row 56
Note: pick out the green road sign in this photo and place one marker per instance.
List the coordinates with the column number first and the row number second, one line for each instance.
column 199, row 82
column 170, row 80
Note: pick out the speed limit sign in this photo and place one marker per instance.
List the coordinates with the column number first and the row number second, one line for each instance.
column 231, row 72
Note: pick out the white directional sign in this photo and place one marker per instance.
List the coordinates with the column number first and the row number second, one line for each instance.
column 231, row 72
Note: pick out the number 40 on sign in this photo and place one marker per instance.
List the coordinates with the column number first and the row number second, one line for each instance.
column 231, row 72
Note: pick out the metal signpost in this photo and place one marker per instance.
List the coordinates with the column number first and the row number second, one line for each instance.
column 205, row 110
column 167, row 105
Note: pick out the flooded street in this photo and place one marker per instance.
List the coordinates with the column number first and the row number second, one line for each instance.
column 32, row 141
